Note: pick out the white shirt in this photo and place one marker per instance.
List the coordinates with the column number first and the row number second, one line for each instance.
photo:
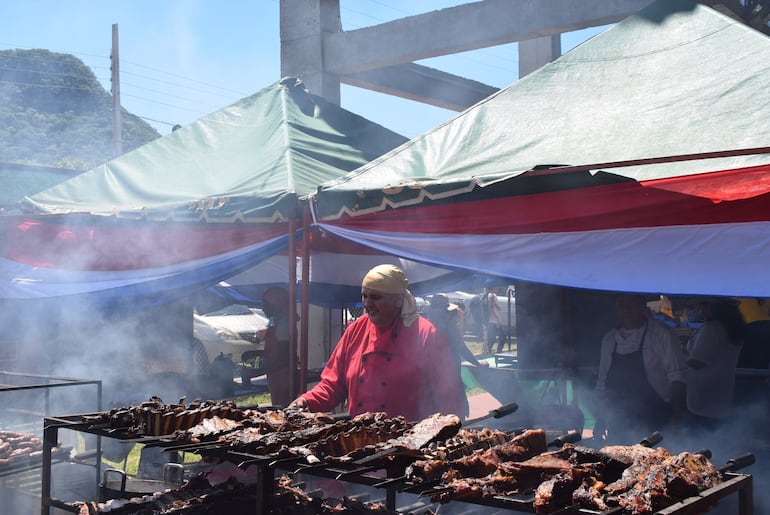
column 664, row 361
column 494, row 309
column 710, row 389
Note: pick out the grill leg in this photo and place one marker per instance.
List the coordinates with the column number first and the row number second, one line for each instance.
column 746, row 498
column 390, row 499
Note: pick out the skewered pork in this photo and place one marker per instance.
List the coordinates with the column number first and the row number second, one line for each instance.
column 354, row 442
column 483, row 461
column 414, row 438
column 17, row 447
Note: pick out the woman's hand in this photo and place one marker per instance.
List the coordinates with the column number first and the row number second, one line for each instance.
column 300, row 403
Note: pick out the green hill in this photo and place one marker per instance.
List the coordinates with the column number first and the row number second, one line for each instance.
column 53, row 112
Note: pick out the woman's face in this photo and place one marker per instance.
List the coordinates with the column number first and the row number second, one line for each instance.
column 382, row 308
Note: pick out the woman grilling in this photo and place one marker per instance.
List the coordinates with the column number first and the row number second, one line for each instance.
column 390, row 359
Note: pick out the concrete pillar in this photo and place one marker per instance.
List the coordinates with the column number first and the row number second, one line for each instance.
column 534, row 53
column 303, row 25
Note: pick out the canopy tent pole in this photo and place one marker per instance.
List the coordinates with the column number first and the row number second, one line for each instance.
column 649, row 160
column 305, row 308
column 292, row 306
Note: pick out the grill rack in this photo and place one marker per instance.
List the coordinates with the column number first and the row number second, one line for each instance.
column 739, row 483
column 382, row 474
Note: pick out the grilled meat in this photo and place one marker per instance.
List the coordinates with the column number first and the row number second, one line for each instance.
column 16, row 447
column 211, row 426
column 590, row 494
column 652, row 484
column 430, row 429
column 155, row 418
column 482, row 461
column 637, row 470
column 353, row 443
column 549, row 463
column 435, row 427
column 315, row 440
column 526, row 445
column 556, row 492
column 628, row 454
column 690, row 474
column 473, row 489
column 252, row 426
column 465, row 442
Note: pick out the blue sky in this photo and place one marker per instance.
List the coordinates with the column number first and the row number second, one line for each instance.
column 183, row 59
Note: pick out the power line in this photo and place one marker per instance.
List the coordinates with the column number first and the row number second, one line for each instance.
column 170, row 124
column 106, row 58
column 185, row 78
column 159, row 92
column 161, row 103
column 133, row 86
column 124, row 73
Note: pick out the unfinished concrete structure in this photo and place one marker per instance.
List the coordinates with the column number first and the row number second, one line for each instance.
column 381, row 57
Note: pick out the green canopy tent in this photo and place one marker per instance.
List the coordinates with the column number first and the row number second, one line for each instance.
column 213, row 199
column 20, row 180
column 246, row 162
column 676, row 78
column 229, row 180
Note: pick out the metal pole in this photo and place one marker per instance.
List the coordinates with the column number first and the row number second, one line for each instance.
column 305, row 309
column 650, row 160
column 292, row 258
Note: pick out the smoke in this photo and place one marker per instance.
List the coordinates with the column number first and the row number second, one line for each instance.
column 83, row 338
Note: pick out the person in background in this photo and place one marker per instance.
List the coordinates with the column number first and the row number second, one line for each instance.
column 712, row 355
column 494, row 322
column 390, row 359
column 275, row 360
column 448, row 319
column 755, row 352
column 640, row 385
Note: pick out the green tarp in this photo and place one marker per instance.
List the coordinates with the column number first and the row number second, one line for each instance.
column 19, row 180
column 249, row 161
column 677, row 78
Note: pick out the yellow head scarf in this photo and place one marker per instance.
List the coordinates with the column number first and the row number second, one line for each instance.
column 391, row 279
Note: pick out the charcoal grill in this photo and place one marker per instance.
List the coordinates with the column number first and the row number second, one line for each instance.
column 385, row 472
column 380, row 476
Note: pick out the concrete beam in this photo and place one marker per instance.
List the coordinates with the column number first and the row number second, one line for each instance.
column 422, row 84
column 463, row 28
column 303, row 23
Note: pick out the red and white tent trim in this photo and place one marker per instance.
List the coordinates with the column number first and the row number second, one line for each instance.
column 697, row 234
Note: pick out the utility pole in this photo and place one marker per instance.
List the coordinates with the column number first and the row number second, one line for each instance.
column 117, row 144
